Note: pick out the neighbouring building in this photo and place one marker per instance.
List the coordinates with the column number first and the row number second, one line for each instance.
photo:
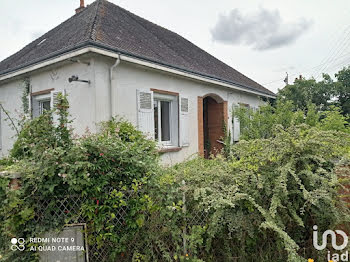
column 111, row 62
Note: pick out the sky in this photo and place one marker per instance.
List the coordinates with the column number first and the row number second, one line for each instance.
column 262, row 39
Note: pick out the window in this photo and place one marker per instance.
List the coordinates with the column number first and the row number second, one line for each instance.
column 165, row 112
column 164, row 117
column 40, row 104
column 44, row 106
column 238, row 127
column 162, row 124
column 243, row 125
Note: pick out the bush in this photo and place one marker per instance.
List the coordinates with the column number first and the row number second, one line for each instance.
column 35, row 137
column 100, row 167
column 261, row 123
column 265, row 199
column 258, row 203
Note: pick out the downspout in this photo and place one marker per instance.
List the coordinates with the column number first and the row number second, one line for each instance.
column 117, row 62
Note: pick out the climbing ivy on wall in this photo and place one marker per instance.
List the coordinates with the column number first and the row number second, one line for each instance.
column 25, row 95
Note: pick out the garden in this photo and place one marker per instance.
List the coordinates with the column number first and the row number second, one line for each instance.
column 256, row 201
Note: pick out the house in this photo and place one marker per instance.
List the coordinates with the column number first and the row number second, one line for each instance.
column 111, row 62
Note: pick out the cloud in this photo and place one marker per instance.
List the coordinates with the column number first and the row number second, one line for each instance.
column 263, row 30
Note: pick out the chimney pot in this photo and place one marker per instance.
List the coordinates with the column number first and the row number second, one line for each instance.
column 81, row 7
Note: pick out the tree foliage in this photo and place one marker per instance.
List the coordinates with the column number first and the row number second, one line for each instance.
column 343, row 90
column 265, row 199
column 323, row 94
column 260, row 123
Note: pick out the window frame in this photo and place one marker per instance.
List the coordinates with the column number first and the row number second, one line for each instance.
column 39, row 100
column 173, row 119
column 41, row 105
column 235, row 122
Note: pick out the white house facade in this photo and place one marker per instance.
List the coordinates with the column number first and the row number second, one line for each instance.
column 182, row 108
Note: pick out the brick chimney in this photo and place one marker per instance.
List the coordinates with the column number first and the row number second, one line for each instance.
column 81, row 7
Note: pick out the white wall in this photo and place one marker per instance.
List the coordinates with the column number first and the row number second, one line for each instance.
column 10, row 98
column 81, row 97
column 129, row 77
column 89, row 103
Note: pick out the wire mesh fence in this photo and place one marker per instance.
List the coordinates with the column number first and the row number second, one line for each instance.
column 68, row 210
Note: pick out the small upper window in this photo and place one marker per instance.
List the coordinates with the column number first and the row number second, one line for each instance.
column 40, row 104
column 44, row 105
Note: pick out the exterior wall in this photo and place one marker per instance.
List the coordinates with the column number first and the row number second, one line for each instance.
column 200, row 125
column 10, row 98
column 81, row 97
column 129, row 77
column 89, row 103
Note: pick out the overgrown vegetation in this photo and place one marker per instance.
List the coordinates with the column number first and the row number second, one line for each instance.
column 261, row 123
column 265, row 199
column 257, row 202
column 102, row 166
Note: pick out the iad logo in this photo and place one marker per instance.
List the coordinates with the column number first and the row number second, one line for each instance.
column 332, row 234
column 333, row 237
column 17, row 244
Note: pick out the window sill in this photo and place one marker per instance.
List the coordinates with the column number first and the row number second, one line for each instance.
column 169, row 149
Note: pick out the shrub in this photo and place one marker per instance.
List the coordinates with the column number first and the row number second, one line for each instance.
column 101, row 168
column 35, row 137
column 258, row 203
column 261, row 123
column 265, row 199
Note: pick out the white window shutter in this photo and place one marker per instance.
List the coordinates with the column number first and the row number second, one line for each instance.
column 145, row 114
column 53, row 103
column 236, row 129
column 35, row 109
column 30, row 108
column 184, row 121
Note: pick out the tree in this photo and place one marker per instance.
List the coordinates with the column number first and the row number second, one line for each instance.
column 306, row 91
column 323, row 94
column 343, row 90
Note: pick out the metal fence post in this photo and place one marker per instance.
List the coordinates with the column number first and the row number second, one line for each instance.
column 184, row 212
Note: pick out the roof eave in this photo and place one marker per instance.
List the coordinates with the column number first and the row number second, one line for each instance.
column 116, row 51
column 90, row 46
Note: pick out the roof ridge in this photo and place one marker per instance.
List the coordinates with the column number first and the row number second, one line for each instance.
column 93, row 28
